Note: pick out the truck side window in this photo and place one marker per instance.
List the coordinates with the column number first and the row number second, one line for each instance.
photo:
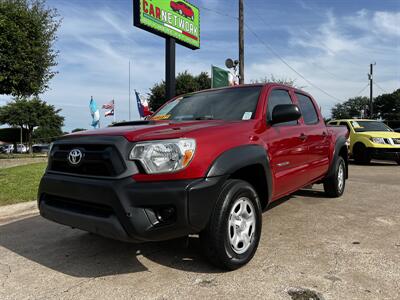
column 308, row 110
column 278, row 97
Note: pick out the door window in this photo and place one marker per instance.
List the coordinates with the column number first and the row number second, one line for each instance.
column 278, row 97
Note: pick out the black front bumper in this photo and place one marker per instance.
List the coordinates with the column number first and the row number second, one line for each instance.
column 385, row 153
column 127, row 210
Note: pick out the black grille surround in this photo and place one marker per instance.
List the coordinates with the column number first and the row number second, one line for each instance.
column 104, row 157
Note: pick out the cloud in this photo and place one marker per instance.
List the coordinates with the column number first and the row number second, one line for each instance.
column 387, row 22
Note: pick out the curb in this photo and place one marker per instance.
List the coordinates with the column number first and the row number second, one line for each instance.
column 13, row 212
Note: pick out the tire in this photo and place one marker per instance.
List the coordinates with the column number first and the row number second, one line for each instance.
column 334, row 185
column 398, row 161
column 361, row 154
column 231, row 237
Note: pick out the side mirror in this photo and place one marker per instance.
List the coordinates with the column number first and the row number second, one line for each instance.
column 285, row 113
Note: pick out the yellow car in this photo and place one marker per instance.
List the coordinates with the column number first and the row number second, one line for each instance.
column 371, row 139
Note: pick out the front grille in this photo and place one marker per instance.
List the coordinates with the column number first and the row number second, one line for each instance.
column 81, row 207
column 97, row 160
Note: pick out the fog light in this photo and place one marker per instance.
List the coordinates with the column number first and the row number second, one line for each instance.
column 166, row 214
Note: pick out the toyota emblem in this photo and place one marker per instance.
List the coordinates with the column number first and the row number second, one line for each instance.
column 75, row 156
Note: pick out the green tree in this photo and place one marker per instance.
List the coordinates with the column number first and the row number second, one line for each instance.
column 185, row 83
column 27, row 34
column 46, row 134
column 273, row 79
column 350, row 109
column 29, row 114
column 78, row 129
column 387, row 106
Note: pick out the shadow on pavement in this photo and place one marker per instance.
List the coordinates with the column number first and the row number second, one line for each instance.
column 381, row 163
column 77, row 253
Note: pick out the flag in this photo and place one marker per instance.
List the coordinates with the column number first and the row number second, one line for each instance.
column 219, row 77
column 139, row 105
column 94, row 111
column 109, row 105
column 143, row 106
column 146, row 109
column 109, row 113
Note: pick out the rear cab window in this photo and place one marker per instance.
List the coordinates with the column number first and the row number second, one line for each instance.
column 308, row 110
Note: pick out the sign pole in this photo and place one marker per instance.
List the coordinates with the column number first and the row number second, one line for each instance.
column 170, row 83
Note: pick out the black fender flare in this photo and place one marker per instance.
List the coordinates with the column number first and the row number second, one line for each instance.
column 240, row 157
column 340, row 143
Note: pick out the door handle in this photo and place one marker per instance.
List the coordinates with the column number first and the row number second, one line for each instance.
column 303, row 137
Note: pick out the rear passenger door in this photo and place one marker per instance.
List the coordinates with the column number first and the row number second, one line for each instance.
column 286, row 148
column 316, row 138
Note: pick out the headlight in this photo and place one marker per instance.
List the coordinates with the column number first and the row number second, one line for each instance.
column 378, row 140
column 164, row 156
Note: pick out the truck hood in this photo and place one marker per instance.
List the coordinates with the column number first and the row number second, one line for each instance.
column 154, row 130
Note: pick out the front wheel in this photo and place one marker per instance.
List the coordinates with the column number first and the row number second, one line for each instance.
column 231, row 237
column 361, row 154
column 334, row 185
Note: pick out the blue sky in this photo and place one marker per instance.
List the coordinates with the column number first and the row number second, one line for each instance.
column 329, row 42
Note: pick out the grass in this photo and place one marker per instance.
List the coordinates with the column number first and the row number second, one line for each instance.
column 20, row 184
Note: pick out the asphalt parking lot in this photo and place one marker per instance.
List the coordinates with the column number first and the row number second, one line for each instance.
column 347, row 248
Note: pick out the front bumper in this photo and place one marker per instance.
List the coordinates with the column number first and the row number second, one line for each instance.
column 385, row 153
column 127, row 210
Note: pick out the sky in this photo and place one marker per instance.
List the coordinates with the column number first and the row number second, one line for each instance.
column 326, row 46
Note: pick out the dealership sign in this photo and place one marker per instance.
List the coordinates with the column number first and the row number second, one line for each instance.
column 168, row 18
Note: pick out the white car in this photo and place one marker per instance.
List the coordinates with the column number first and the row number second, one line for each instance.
column 7, row 148
column 22, row 148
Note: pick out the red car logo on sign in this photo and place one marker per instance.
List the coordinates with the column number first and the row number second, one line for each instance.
column 182, row 9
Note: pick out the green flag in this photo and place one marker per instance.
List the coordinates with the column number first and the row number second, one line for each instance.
column 219, row 77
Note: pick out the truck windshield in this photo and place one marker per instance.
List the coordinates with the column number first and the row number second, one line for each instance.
column 363, row 126
column 225, row 104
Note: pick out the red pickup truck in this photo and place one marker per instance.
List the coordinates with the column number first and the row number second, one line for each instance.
column 206, row 163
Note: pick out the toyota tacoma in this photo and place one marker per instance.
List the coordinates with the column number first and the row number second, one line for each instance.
column 205, row 163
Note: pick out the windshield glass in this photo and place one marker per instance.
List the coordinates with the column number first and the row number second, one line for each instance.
column 224, row 104
column 363, row 126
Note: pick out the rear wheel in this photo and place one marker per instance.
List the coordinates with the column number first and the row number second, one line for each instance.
column 335, row 184
column 361, row 154
column 231, row 237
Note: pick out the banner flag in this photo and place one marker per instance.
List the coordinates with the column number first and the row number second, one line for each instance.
column 94, row 111
column 139, row 105
column 219, row 77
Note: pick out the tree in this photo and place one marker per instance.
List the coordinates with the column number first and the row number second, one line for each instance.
column 46, row 134
column 185, row 83
column 350, row 109
column 27, row 34
column 78, row 129
column 28, row 114
column 273, row 79
column 387, row 106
